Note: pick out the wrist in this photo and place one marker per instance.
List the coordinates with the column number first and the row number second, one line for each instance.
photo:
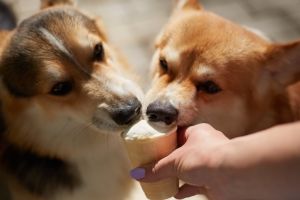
column 220, row 159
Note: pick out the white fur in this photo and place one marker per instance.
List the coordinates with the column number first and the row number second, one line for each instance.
column 204, row 71
column 55, row 41
column 120, row 87
column 54, row 72
column 172, row 55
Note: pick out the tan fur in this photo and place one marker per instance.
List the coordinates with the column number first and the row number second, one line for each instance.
column 62, row 126
column 252, row 72
column 51, row 3
column 4, row 37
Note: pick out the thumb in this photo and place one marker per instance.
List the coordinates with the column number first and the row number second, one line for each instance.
column 164, row 168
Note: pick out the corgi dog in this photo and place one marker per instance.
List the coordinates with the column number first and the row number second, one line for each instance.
column 66, row 96
column 207, row 69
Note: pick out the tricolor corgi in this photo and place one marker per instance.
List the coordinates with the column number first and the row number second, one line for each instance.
column 66, row 95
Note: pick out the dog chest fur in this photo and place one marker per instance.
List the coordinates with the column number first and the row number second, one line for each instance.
column 102, row 172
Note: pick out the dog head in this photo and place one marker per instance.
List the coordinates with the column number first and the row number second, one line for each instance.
column 208, row 69
column 61, row 76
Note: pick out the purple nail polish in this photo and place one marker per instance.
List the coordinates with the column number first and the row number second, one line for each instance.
column 137, row 173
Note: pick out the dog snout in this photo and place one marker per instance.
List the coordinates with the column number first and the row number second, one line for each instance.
column 162, row 112
column 128, row 112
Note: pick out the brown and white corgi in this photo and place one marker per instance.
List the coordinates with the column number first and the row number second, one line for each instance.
column 66, row 94
column 208, row 69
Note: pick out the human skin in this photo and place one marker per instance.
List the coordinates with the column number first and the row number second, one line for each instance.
column 260, row 166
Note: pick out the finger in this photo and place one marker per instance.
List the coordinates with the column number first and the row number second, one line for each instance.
column 188, row 190
column 202, row 133
column 199, row 129
column 164, row 168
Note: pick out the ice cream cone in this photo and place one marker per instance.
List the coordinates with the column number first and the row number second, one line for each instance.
column 144, row 148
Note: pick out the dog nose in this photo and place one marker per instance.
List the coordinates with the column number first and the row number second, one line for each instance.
column 162, row 112
column 128, row 112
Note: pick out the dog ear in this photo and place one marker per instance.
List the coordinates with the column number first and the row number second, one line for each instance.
column 187, row 4
column 283, row 62
column 100, row 27
column 51, row 3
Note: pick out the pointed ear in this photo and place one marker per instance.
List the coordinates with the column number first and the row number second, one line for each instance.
column 51, row 3
column 284, row 63
column 101, row 28
column 187, row 4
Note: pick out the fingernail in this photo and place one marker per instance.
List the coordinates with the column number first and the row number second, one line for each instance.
column 137, row 173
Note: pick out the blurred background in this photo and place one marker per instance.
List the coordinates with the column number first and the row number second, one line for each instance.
column 133, row 24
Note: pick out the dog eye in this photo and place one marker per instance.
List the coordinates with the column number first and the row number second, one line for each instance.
column 62, row 88
column 163, row 64
column 208, row 87
column 98, row 52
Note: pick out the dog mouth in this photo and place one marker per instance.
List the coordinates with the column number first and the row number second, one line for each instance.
column 109, row 125
column 181, row 138
column 105, row 124
column 162, row 126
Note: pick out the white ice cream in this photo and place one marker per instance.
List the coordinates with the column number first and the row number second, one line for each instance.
column 143, row 130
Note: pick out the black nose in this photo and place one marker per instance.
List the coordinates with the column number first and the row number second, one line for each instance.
column 127, row 112
column 159, row 111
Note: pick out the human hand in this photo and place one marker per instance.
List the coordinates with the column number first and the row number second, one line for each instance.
column 195, row 163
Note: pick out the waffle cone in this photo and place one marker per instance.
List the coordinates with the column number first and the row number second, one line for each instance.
column 148, row 150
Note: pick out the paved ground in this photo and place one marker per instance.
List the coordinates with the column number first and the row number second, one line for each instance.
column 133, row 24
